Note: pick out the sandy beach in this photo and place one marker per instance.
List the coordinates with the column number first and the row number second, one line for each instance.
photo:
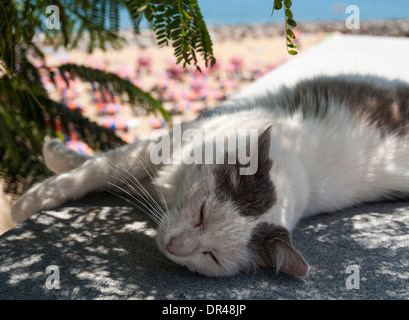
column 243, row 54
column 240, row 61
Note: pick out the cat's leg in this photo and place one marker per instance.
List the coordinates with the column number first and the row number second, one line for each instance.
column 94, row 174
column 61, row 188
column 60, row 158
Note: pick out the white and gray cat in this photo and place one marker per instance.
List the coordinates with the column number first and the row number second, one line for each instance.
column 322, row 145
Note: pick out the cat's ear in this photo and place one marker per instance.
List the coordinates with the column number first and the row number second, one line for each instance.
column 285, row 258
column 255, row 157
column 263, row 151
column 271, row 247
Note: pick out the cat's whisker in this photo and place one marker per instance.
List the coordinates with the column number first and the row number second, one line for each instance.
column 145, row 193
column 151, row 254
column 152, row 176
column 130, row 201
column 139, row 185
column 143, row 190
column 154, row 215
column 164, row 209
column 154, row 205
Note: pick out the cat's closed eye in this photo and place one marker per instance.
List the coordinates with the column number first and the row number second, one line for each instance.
column 201, row 215
column 212, row 256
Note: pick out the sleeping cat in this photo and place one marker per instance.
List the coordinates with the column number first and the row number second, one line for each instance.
column 324, row 144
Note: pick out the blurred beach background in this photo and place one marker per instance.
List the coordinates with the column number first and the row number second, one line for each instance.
column 247, row 41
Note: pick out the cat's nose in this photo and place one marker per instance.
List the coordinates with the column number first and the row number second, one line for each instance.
column 170, row 246
column 182, row 245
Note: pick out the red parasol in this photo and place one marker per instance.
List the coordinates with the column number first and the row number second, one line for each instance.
column 110, row 108
column 115, row 123
column 78, row 146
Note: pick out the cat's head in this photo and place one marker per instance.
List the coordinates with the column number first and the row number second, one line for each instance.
column 216, row 225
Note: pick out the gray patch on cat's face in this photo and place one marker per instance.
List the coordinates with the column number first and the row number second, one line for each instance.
column 253, row 194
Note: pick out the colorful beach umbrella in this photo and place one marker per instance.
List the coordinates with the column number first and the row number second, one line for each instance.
column 126, row 72
column 73, row 106
column 176, row 94
column 139, row 83
column 97, row 96
column 144, row 62
column 157, row 123
column 77, row 145
column 228, row 84
column 69, row 93
column 183, row 105
column 237, row 63
column 175, row 71
column 197, row 83
column 110, row 108
column 192, row 95
column 196, row 106
column 211, row 94
column 115, row 123
column 128, row 138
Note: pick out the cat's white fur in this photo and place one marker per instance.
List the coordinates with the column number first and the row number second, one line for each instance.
column 320, row 164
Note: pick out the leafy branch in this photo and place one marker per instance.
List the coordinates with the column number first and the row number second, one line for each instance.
column 289, row 23
column 181, row 23
column 113, row 83
column 28, row 114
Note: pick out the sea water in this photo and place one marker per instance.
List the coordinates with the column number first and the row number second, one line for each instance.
column 220, row 12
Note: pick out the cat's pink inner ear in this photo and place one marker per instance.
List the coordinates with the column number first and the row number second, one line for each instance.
column 271, row 246
column 287, row 259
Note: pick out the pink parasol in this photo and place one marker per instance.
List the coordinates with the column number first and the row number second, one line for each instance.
column 228, row 84
column 197, row 106
column 60, row 82
column 158, row 123
column 183, row 105
column 138, row 83
column 211, row 94
column 128, row 138
column 237, row 63
column 73, row 106
column 78, row 146
column 144, row 62
column 110, row 108
column 68, row 93
column 115, row 123
column 197, row 83
column 175, row 71
column 297, row 33
column 176, row 94
column 192, row 95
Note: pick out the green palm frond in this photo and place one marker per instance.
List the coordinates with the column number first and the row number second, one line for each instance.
column 27, row 114
column 112, row 82
column 176, row 22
